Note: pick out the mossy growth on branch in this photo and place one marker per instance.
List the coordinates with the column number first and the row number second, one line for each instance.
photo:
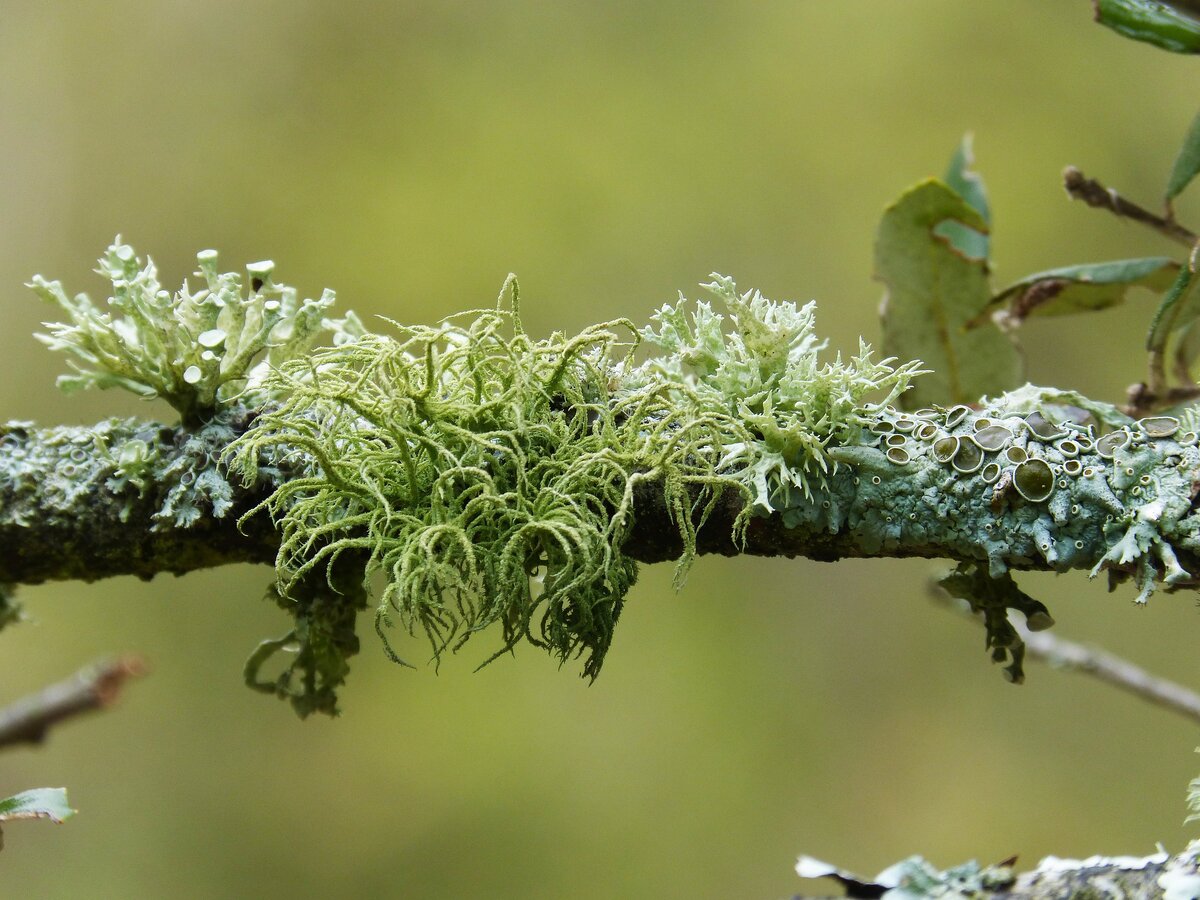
column 482, row 476
column 490, row 476
column 477, row 476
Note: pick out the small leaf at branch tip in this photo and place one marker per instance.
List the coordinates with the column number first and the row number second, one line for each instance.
column 933, row 292
column 37, row 803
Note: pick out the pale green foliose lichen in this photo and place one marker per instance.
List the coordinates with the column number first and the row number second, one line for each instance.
column 195, row 350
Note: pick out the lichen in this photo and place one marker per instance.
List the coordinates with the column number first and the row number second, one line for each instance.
column 198, row 351
column 490, row 477
column 765, row 378
column 48, row 472
column 916, row 878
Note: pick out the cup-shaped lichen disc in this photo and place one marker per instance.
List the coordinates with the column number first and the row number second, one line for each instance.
column 1034, row 480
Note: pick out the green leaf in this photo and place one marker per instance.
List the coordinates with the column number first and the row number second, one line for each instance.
column 933, row 292
column 1187, row 163
column 1155, row 23
column 38, row 803
column 1179, row 308
column 1085, row 288
column 968, row 184
column 1187, row 351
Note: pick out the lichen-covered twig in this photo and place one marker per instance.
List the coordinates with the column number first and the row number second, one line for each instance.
column 97, row 686
column 1158, row 875
column 487, row 477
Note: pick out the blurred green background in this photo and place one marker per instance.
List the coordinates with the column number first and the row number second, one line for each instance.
column 410, row 155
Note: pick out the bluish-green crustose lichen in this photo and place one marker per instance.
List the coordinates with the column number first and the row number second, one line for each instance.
column 50, row 472
column 1021, row 481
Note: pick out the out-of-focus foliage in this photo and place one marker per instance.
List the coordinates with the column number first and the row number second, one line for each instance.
column 410, row 155
column 1153, row 21
column 968, row 184
column 1179, row 308
column 36, row 803
column 1187, row 163
column 1089, row 287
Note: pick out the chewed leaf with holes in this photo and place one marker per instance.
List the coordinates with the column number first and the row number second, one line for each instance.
column 968, row 184
column 1085, row 288
column 933, row 292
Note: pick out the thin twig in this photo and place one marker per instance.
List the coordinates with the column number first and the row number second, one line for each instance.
column 1141, row 400
column 1095, row 194
column 1066, row 655
column 1111, row 669
column 95, row 687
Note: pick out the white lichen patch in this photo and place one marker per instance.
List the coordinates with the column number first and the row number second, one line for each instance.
column 765, row 374
column 198, row 351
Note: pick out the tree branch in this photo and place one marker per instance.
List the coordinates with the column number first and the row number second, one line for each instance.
column 1060, row 653
column 1096, row 195
column 95, row 687
column 1111, row 669
column 68, row 512
column 1157, row 875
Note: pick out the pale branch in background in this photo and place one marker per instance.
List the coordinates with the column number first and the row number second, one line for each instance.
column 94, row 687
column 1070, row 656
column 1096, row 195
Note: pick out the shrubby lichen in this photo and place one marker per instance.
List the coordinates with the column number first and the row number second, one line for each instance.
column 764, row 379
column 195, row 350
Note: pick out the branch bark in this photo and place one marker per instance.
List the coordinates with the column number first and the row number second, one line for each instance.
column 71, row 509
column 92, row 688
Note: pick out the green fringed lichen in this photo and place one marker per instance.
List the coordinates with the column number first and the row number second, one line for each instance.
column 490, row 476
